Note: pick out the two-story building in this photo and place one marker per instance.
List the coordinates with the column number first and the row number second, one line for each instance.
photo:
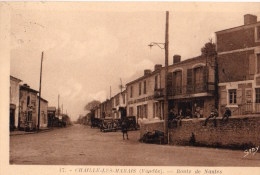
column 119, row 105
column 238, row 51
column 14, row 102
column 140, row 96
column 28, row 107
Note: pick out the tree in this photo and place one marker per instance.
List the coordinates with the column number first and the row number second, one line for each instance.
column 209, row 49
column 91, row 105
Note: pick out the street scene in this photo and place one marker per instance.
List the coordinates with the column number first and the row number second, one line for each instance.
column 81, row 145
column 133, row 85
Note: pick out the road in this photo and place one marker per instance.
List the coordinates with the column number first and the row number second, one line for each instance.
column 81, row 145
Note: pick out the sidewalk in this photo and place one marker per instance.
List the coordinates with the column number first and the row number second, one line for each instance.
column 18, row 132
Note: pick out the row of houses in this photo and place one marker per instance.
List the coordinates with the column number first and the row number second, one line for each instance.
column 24, row 103
column 230, row 78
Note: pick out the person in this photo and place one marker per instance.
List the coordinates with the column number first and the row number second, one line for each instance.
column 213, row 114
column 124, row 127
column 227, row 114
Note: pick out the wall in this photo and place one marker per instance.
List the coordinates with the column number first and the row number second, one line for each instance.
column 238, row 132
column 228, row 72
column 14, row 98
column 236, row 39
column 43, row 114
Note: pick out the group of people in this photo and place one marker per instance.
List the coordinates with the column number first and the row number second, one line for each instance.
column 176, row 118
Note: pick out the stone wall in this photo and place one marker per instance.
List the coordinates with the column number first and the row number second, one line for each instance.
column 238, row 132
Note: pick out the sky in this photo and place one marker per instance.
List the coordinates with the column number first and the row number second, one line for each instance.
column 88, row 47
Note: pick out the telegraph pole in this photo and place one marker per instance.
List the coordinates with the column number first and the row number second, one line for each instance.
column 39, row 107
column 166, row 79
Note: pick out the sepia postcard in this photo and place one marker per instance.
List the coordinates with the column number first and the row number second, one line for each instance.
column 130, row 88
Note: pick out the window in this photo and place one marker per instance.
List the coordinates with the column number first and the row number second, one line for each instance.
column 131, row 111
column 131, row 91
column 258, row 33
column 258, row 62
column 156, row 82
column 140, row 88
column 123, row 98
column 145, row 111
column 232, row 96
column 144, row 87
column 28, row 100
column 257, row 95
column 177, row 82
column 117, row 100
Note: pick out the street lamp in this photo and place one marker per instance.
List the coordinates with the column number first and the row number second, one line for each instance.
column 166, row 49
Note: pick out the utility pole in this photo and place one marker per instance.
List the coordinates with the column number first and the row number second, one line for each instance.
column 58, row 105
column 166, row 79
column 39, row 107
column 61, row 109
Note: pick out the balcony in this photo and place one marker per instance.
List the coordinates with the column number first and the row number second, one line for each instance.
column 186, row 90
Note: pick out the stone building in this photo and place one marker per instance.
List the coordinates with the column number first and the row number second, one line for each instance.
column 141, row 94
column 43, row 112
column 28, row 108
column 14, row 102
column 238, row 51
column 191, row 85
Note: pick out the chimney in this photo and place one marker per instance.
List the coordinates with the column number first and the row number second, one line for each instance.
column 147, row 72
column 157, row 67
column 250, row 19
column 176, row 59
column 26, row 85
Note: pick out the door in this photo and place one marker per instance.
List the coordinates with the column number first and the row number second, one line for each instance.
column 12, row 112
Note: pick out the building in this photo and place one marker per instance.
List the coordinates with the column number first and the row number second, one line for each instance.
column 28, row 105
column 52, row 119
column 43, row 112
column 14, row 102
column 106, row 109
column 238, row 51
column 141, row 94
column 191, row 86
column 119, row 105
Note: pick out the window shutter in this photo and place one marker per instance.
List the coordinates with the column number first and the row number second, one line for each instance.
column 239, row 96
column 189, row 80
column 205, row 78
column 252, row 64
column 169, row 83
column 174, row 82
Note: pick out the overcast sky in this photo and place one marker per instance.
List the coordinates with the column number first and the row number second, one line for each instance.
column 88, row 47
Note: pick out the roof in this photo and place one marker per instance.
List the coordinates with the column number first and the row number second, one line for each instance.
column 42, row 99
column 27, row 88
column 172, row 65
column 15, row 79
column 238, row 27
column 51, row 108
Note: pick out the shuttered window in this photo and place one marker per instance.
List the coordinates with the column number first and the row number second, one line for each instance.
column 257, row 95
column 189, row 80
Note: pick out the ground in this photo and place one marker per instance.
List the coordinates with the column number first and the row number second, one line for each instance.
column 82, row 145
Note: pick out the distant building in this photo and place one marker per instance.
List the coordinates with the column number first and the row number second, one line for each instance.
column 52, row 119
column 238, row 51
column 28, row 105
column 141, row 95
column 119, row 105
column 14, row 102
column 43, row 112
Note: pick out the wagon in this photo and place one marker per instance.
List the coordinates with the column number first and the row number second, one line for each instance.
column 108, row 125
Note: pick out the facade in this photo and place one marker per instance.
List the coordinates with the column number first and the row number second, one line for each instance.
column 238, row 51
column 52, row 119
column 140, row 96
column 43, row 112
column 14, row 102
column 28, row 107
column 106, row 109
column 119, row 105
column 191, row 86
